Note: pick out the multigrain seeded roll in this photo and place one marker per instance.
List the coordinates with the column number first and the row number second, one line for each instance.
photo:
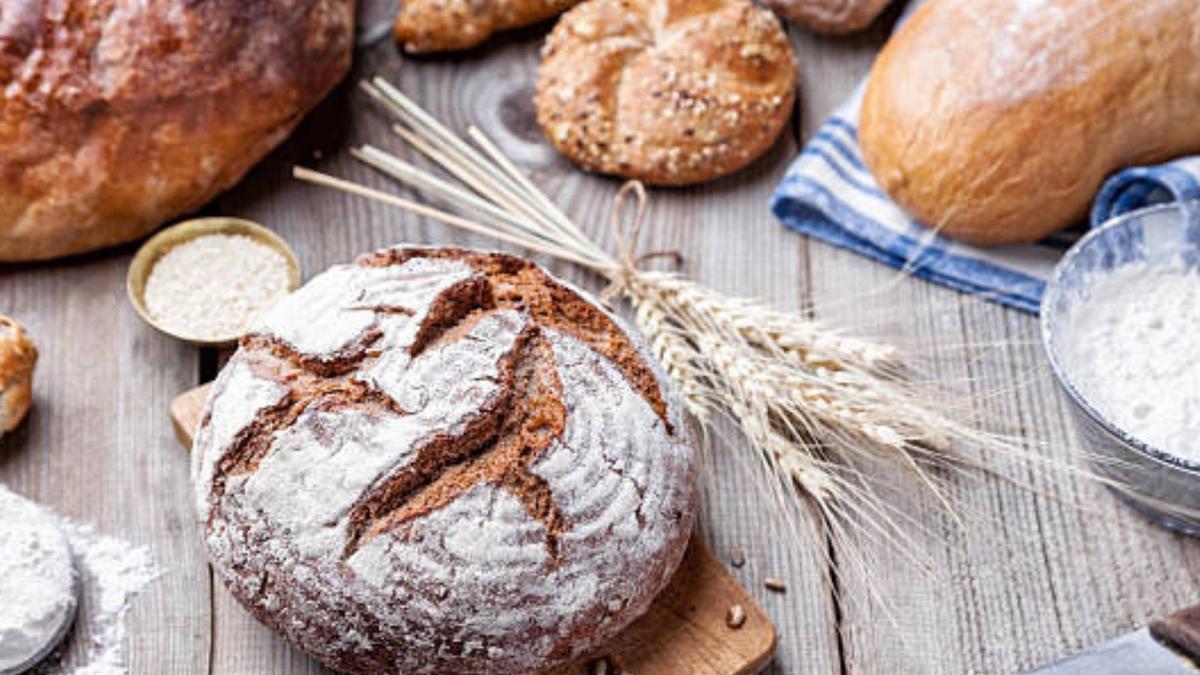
column 447, row 25
column 666, row 91
column 443, row 461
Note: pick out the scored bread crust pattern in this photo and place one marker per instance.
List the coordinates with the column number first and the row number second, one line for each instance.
column 438, row 460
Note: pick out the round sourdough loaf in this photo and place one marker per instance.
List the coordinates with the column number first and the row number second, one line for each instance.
column 665, row 91
column 116, row 115
column 443, row 461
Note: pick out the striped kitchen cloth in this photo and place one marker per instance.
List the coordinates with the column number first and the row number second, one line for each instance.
column 830, row 195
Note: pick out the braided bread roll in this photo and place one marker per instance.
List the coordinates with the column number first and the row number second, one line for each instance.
column 18, row 357
column 834, row 17
column 448, row 25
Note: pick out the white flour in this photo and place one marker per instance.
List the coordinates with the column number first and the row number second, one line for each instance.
column 37, row 580
column 111, row 572
column 1134, row 354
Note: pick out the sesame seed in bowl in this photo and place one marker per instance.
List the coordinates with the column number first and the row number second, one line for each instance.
column 207, row 281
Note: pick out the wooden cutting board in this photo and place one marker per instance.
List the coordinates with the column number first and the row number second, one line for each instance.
column 683, row 632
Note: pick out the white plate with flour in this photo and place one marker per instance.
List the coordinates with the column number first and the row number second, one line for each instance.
column 39, row 585
column 1121, row 326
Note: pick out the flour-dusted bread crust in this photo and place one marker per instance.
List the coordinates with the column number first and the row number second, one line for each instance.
column 443, row 461
column 834, row 17
column 118, row 114
column 665, row 91
column 447, row 25
column 18, row 358
column 997, row 120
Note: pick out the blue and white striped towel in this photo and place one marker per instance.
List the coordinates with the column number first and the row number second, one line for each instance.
column 828, row 194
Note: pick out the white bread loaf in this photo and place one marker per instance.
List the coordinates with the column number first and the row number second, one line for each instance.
column 997, row 120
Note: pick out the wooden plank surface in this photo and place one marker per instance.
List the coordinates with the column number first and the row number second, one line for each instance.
column 1030, row 580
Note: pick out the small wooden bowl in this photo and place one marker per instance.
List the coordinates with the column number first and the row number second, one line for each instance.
column 158, row 245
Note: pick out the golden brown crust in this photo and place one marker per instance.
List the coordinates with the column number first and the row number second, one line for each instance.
column 448, row 25
column 115, row 116
column 998, row 125
column 666, row 91
column 834, row 17
column 18, row 357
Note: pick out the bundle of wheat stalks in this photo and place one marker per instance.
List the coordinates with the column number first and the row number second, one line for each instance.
column 813, row 404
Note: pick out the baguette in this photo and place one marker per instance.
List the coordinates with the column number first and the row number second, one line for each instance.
column 997, row 120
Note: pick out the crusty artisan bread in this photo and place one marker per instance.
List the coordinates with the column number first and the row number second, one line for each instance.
column 665, row 91
column 18, row 356
column 118, row 115
column 997, row 120
column 443, row 461
column 445, row 25
column 829, row 16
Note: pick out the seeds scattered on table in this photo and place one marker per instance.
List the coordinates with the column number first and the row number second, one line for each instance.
column 737, row 557
column 735, row 617
column 215, row 286
column 774, row 584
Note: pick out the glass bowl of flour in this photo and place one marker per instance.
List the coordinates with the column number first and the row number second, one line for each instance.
column 1120, row 322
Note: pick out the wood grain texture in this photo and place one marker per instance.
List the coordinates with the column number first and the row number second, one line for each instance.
column 683, row 631
column 1030, row 580
column 91, row 450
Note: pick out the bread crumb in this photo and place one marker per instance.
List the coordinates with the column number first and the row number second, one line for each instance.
column 735, row 617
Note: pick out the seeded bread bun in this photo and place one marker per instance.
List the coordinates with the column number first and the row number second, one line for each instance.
column 666, row 91
column 18, row 356
column 116, row 116
column 443, row 461
column 447, row 25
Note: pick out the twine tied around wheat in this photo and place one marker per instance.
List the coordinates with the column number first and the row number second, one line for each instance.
column 627, row 233
column 821, row 411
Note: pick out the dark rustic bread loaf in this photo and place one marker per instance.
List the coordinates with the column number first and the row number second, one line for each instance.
column 116, row 115
column 443, row 461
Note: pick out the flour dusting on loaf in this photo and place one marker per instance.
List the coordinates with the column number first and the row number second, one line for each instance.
column 443, row 461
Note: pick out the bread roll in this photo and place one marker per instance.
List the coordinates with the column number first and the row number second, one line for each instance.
column 666, row 91
column 445, row 25
column 443, row 461
column 829, row 16
column 18, row 356
column 997, row 120
column 117, row 115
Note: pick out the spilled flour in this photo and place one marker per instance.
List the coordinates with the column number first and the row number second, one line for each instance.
column 1133, row 353
column 110, row 571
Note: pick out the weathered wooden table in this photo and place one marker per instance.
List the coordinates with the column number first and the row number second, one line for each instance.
column 1029, row 580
